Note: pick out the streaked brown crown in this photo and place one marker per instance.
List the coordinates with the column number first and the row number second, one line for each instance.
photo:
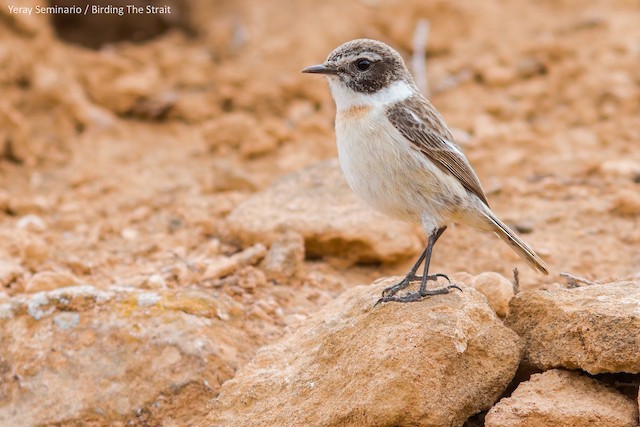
column 386, row 65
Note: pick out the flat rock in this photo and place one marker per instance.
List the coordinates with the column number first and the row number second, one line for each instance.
column 81, row 355
column 430, row 363
column 559, row 398
column 593, row 328
column 317, row 203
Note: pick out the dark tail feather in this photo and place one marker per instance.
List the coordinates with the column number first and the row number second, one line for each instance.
column 521, row 248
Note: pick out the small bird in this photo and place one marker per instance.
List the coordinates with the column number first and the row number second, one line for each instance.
column 398, row 155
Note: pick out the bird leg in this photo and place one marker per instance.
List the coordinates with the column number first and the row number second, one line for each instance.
column 388, row 294
column 411, row 275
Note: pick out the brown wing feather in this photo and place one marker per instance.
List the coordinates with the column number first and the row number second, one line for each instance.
column 419, row 122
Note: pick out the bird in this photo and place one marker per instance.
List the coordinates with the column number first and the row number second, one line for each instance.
column 398, row 155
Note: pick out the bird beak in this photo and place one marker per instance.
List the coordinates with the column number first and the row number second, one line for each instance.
column 321, row 69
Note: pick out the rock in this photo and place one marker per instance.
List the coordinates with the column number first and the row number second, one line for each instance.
column 530, row 66
column 224, row 266
column 285, row 256
column 82, row 355
column 223, row 176
column 498, row 75
column 622, row 168
column 31, row 222
column 626, row 203
column 240, row 130
column 593, row 328
column 317, row 203
column 49, row 280
column 497, row 289
column 563, row 398
column 34, row 251
column 431, row 363
column 9, row 272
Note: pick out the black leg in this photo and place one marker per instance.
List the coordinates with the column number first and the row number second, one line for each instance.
column 427, row 261
column 388, row 294
column 411, row 275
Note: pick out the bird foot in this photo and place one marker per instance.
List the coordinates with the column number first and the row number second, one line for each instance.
column 392, row 290
column 417, row 296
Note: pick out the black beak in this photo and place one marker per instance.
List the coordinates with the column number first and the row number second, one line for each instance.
column 320, row 69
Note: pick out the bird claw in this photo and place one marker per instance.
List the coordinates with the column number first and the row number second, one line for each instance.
column 417, row 296
column 392, row 290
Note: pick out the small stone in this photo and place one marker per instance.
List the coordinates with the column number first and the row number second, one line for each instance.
column 156, row 281
column 34, row 251
column 285, row 256
column 224, row 266
column 31, row 223
column 226, row 177
column 220, row 267
column 497, row 289
column 49, row 280
column 622, row 168
column 626, row 203
column 129, row 234
column 141, row 213
column 498, row 75
column 530, row 67
column 9, row 272
column 563, row 398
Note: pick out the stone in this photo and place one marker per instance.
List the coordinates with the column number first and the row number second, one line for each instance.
column 224, row 266
column 497, row 289
column 594, row 328
column 86, row 356
column 285, row 256
column 31, row 222
column 559, row 398
column 625, row 168
column 9, row 272
column 430, row 363
column 49, row 280
column 317, row 203
column 626, row 203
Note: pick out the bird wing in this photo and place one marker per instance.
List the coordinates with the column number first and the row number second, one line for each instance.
column 418, row 121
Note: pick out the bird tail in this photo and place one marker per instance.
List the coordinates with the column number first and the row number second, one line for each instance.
column 519, row 246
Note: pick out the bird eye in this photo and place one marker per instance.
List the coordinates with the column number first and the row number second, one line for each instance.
column 363, row 64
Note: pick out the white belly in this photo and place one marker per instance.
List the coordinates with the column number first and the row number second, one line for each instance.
column 388, row 173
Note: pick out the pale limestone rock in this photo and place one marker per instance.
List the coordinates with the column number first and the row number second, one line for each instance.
column 94, row 356
column 431, row 363
column 594, row 328
column 317, row 203
column 560, row 398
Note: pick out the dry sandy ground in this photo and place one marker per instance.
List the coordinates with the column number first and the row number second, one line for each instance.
column 121, row 164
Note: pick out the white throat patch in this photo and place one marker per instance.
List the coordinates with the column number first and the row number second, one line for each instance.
column 346, row 98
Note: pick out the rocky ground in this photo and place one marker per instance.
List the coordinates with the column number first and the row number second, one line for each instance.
column 170, row 205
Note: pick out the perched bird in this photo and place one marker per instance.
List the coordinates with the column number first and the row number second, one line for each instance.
column 398, row 155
